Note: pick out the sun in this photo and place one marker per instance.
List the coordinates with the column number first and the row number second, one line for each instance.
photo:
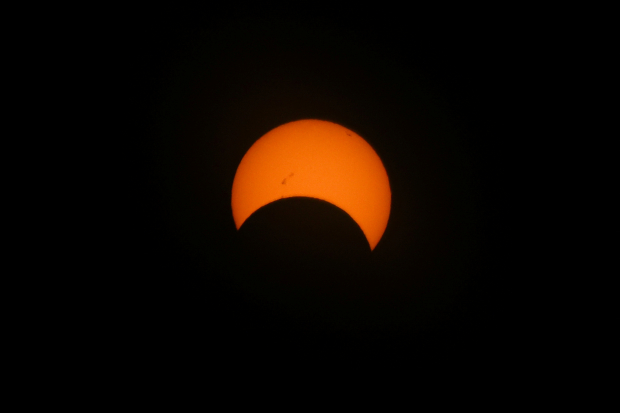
column 316, row 159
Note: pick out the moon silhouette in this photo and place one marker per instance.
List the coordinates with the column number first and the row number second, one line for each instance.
column 315, row 159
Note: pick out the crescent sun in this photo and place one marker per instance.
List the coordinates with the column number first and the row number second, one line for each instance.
column 316, row 159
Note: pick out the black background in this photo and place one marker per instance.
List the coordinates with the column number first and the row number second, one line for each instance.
column 433, row 91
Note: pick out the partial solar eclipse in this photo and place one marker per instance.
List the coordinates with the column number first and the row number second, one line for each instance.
column 315, row 159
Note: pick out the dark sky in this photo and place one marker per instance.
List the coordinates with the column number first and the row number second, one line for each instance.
column 431, row 91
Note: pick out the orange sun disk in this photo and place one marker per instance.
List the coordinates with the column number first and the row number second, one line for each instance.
column 316, row 159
